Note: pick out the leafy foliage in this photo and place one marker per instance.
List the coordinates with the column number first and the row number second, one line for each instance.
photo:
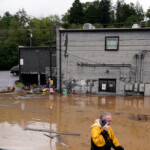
column 16, row 30
column 148, row 13
column 8, row 55
column 76, row 13
column 104, row 13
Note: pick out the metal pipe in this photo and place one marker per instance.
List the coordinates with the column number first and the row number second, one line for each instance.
column 107, row 65
column 60, row 61
column 140, row 66
column 142, row 61
column 50, row 55
column 104, row 65
column 136, row 71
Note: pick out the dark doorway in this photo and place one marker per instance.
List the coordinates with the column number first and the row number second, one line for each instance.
column 107, row 85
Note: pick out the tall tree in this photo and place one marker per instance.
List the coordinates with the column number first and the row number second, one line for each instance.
column 119, row 12
column 17, row 33
column 8, row 55
column 139, row 12
column 148, row 13
column 104, row 12
column 128, row 14
column 22, row 17
column 6, row 19
column 42, row 28
column 76, row 13
column 91, row 13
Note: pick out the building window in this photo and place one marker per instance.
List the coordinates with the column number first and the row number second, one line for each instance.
column 112, row 43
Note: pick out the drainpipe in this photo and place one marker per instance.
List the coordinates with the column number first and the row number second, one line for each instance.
column 136, row 71
column 141, row 71
column 59, row 61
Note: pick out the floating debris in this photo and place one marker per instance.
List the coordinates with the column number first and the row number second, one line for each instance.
column 45, row 130
column 140, row 117
column 59, row 139
column 143, row 117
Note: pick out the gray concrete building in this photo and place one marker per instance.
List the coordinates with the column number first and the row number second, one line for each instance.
column 104, row 61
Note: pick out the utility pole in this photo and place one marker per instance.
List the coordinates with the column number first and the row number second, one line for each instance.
column 51, row 53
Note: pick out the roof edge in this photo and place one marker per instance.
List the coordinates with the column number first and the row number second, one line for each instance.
column 104, row 29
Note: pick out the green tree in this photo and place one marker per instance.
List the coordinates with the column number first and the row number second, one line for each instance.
column 16, row 29
column 5, row 21
column 76, row 13
column 4, row 25
column 105, row 8
column 17, row 34
column 139, row 12
column 126, row 13
column 65, row 17
column 8, row 55
column 148, row 13
column 91, row 12
column 130, row 21
column 22, row 17
column 119, row 12
column 42, row 28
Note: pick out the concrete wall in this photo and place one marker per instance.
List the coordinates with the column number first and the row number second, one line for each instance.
column 88, row 47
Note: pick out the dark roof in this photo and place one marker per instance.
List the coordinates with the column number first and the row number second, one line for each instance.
column 104, row 29
column 33, row 47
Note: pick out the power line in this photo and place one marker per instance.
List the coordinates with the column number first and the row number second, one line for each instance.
column 101, row 40
column 82, row 58
column 92, row 50
column 78, row 46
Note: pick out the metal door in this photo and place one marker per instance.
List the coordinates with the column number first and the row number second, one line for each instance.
column 107, row 85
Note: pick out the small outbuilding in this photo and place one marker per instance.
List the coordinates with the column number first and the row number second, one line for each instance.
column 35, row 64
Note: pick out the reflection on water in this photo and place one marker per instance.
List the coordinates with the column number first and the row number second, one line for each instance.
column 134, row 102
column 116, row 101
column 73, row 114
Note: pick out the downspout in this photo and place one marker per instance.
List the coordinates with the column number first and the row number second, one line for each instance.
column 142, row 61
column 59, row 61
column 138, row 68
column 136, row 71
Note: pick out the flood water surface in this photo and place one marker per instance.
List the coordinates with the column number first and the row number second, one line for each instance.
column 69, row 119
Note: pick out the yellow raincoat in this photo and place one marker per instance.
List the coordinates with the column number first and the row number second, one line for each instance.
column 98, row 139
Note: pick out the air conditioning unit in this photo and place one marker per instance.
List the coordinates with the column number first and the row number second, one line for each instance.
column 88, row 26
column 135, row 26
column 143, row 24
column 126, row 87
column 130, row 87
column 141, row 87
column 136, row 87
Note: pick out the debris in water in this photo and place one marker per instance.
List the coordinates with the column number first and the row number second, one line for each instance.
column 143, row 117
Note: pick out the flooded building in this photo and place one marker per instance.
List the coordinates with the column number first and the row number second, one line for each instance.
column 104, row 61
column 35, row 64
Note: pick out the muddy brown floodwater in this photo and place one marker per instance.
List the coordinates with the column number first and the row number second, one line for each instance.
column 73, row 114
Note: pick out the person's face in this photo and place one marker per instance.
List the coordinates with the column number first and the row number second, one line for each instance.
column 108, row 119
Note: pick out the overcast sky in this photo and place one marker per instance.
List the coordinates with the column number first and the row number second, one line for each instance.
column 44, row 8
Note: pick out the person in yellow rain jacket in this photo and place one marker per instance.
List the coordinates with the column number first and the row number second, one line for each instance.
column 102, row 136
